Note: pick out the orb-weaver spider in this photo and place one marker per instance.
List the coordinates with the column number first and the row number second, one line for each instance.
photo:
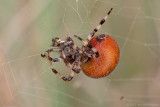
column 97, row 58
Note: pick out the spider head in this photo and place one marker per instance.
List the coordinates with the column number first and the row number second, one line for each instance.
column 68, row 49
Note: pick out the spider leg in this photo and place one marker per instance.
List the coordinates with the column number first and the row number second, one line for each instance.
column 76, row 65
column 69, row 78
column 84, row 42
column 48, row 57
column 56, row 42
column 58, row 74
column 98, row 27
column 55, row 71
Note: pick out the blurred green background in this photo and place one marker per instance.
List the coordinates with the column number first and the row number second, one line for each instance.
column 26, row 30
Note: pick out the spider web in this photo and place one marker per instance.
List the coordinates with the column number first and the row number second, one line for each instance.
column 27, row 28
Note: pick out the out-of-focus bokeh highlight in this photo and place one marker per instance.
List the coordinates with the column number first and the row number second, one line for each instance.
column 27, row 28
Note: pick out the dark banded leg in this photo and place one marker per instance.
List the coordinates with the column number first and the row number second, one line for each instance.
column 55, row 71
column 61, row 76
column 84, row 42
column 50, row 58
column 50, row 50
column 76, row 64
column 98, row 27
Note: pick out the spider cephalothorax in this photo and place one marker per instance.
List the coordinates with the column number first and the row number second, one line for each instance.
column 97, row 57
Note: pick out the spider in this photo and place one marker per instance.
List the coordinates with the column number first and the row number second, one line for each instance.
column 97, row 58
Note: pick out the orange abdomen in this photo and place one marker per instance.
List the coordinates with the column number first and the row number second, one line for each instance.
column 108, row 57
